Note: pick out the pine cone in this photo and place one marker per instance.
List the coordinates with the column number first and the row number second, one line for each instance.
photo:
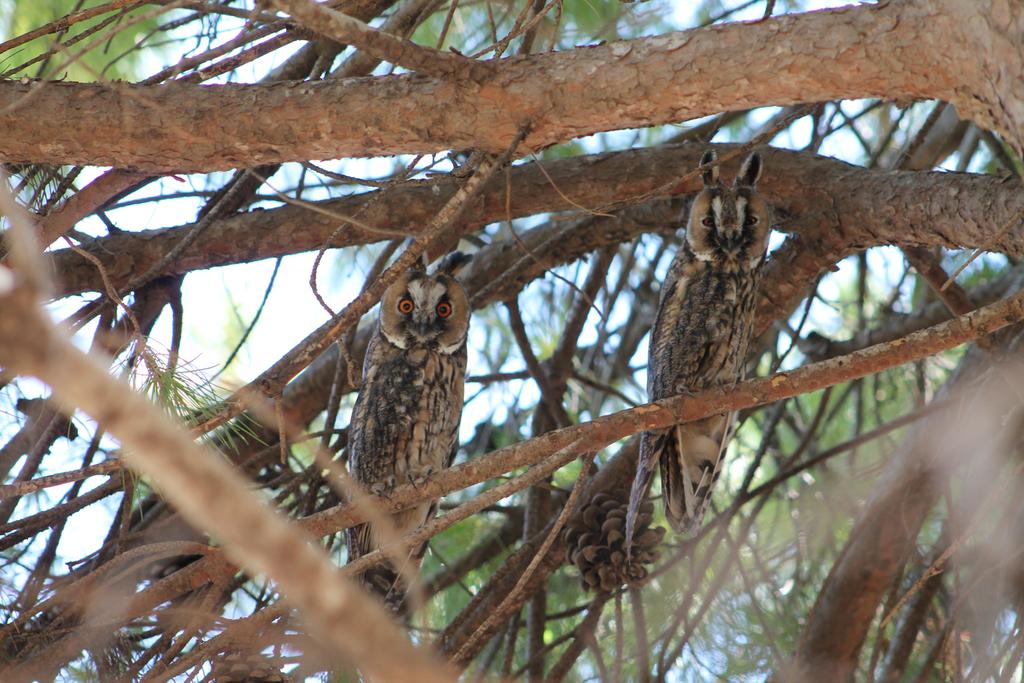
column 252, row 667
column 595, row 541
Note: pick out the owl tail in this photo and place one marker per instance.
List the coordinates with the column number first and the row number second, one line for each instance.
column 384, row 582
column 691, row 457
column 382, row 579
column 645, row 466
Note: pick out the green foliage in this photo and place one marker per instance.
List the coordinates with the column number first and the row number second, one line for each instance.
column 102, row 48
column 82, row 671
column 185, row 393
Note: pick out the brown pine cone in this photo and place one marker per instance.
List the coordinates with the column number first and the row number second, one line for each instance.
column 253, row 667
column 595, row 541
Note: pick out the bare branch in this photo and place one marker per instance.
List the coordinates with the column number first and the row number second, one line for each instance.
column 350, row 31
column 957, row 44
column 834, row 207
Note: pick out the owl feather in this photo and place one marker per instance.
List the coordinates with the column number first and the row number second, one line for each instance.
column 405, row 421
column 700, row 338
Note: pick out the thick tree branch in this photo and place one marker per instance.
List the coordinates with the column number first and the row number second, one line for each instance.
column 832, row 205
column 939, row 49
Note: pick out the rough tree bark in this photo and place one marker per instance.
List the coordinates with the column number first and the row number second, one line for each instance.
column 821, row 199
column 961, row 51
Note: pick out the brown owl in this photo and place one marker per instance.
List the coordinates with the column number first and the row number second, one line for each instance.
column 405, row 422
column 700, row 336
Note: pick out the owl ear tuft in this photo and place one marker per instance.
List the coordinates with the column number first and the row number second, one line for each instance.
column 750, row 171
column 421, row 263
column 709, row 175
column 453, row 263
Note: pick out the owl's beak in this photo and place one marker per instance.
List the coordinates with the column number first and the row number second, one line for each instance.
column 731, row 238
column 422, row 327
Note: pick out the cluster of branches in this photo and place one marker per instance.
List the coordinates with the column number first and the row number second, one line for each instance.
column 869, row 524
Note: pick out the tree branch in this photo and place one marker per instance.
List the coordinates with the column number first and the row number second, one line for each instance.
column 940, row 49
column 832, row 205
column 350, row 31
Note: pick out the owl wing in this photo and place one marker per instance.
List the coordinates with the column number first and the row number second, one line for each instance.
column 688, row 455
column 689, row 350
column 456, row 396
column 449, row 422
column 400, row 410
column 646, row 463
column 379, row 428
column 376, row 433
column 661, row 367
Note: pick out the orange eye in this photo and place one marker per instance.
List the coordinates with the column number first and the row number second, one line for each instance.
column 406, row 305
column 444, row 309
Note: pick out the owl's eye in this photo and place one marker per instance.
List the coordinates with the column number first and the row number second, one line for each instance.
column 405, row 305
column 708, row 222
column 444, row 309
column 751, row 219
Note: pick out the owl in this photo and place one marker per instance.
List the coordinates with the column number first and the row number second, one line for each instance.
column 700, row 336
column 405, row 422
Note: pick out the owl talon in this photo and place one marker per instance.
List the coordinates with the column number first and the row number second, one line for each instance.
column 685, row 391
column 422, row 477
column 725, row 384
column 379, row 491
column 384, row 488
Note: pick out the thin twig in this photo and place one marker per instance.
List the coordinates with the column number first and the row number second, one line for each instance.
column 40, row 483
column 520, row 585
column 978, row 252
column 66, row 22
column 350, row 31
column 252, row 323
